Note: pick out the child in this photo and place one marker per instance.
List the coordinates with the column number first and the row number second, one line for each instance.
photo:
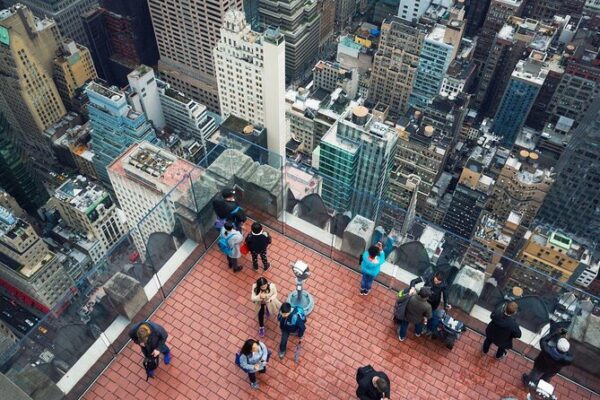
column 229, row 242
column 257, row 241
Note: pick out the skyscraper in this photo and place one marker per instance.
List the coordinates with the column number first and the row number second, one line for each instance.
column 66, row 14
column 115, row 125
column 395, row 64
column 15, row 177
column 250, row 69
column 144, row 95
column 121, row 37
column 476, row 12
column 29, row 97
column 497, row 14
column 357, row 155
column 572, row 204
column 141, row 177
column 521, row 92
column 186, row 32
column 72, row 70
column 437, row 52
column 299, row 22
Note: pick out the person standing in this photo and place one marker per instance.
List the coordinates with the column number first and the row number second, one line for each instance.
column 253, row 358
column 554, row 355
column 264, row 297
column 501, row 330
column 438, row 293
column 372, row 385
column 257, row 241
column 370, row 266
column 152, row 339
column 228, row 210
column 291, row 320
column 230, row 240
column 418, row 311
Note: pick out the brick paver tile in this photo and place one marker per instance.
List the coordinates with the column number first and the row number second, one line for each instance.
column 210, row 315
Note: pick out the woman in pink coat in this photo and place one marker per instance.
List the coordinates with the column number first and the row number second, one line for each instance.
column 264, row 296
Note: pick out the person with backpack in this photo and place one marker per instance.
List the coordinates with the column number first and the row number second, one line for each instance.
column 229, row 243
column 438, row 293
column 152, row 339
column 228, row 210
column 372, row 384
column 418, row 311
column 501, row 330
column 257, row 241
column 264, row 297
column 554, row 355
column 370, row 266
column 291, row 320
column 253, row 358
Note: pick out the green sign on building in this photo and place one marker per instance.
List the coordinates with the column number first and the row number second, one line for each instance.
column 4, row 36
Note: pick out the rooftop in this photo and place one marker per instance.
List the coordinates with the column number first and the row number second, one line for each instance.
column 207, row 327
column 81, row 194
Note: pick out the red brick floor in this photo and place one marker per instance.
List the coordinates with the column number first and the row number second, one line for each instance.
column 210, row 315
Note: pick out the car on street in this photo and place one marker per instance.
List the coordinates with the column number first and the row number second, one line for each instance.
column 28, row 322
column 7, row 314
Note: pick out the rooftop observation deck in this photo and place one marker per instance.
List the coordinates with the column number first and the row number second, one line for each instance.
column 209, row 315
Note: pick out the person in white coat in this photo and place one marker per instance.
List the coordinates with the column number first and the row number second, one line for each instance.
column 264, row 297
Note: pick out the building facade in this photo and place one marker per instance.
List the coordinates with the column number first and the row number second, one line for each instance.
column 355, row 161
column 15, row 176
column 141, row 177
column 66, row 14
column 572, row 203
column 88, row 208
column 395, row 64
column 72, row 70
column 250, row 70
column 186, row 33
column 115, row 125
column 144, row 95
column 412, row 10
column 522, row 90
column 29, row 98
column 28, row 269
column 299, row 22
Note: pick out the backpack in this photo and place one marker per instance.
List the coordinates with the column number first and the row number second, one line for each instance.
column 236, row 215
column 224, row 246
column 238, row 355
column 298, row 314
column 400, row 306
column 150, row 364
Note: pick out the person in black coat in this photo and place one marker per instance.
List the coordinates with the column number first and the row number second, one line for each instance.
column 257, row 241
column 502, row 330
column 152, row 339
column 228, row 210
column 438, row 294
column 554, row 355
column 372, row 385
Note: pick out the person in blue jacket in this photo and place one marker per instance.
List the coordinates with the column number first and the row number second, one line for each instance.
column 291, row 320
column 370, row 265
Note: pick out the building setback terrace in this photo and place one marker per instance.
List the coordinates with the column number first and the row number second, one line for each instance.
column 209, row 315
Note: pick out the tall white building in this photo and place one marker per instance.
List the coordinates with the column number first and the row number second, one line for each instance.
column 144, row 95
column 250, row 69
column 27, row 267
column 412, row 9
column 88, row 208
column 141, row 177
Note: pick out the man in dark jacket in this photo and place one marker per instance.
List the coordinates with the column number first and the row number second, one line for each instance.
column 501, row 330
column 438, row 293
column 257, row 241
column 228, row 210
column 372, row 385
column 553, row 356
column 418, row 311
column 152, row 339
column 291, row 320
